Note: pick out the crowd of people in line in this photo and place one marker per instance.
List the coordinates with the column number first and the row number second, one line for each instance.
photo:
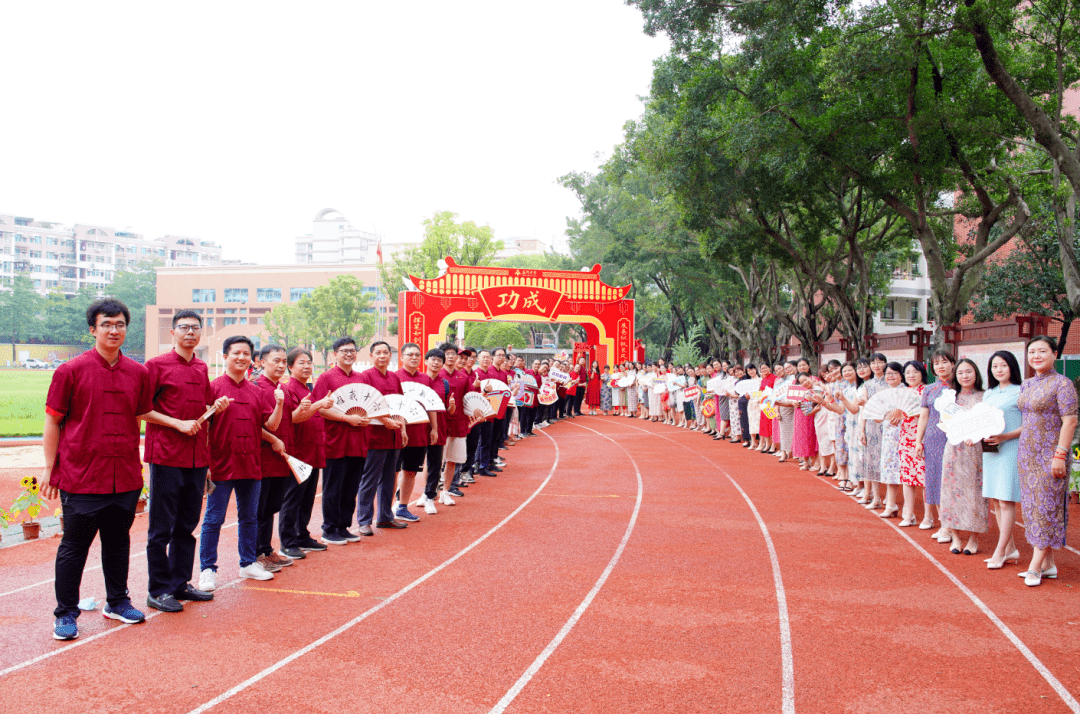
column 894, row 462
column 234, row 435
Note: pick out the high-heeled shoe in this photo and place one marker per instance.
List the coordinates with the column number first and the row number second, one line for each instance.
column 907, row 522
column 889, row 512
column 1013, row 556
column 926, row 525
column 873, row 505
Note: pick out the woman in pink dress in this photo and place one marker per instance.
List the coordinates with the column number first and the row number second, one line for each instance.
column 768, row 379
column 912, row 464
column 964, row 510
column 804, row 446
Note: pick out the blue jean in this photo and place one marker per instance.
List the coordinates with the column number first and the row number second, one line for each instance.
column 247, row 510
column 378, row 482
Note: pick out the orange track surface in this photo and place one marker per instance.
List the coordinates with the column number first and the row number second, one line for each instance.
column 687, row 620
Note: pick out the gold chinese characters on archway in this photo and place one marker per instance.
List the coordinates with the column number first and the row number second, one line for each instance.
column 477, row 293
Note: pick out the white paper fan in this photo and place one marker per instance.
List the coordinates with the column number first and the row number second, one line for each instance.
column 424, row 394
column 529, row 381
column 659, row 386
column 747, row 386
column 476, row 404
column 902, row 398
column 627, row 381
column 407, row 408
column 301, row 471
column 361, row 399
column 494, row 385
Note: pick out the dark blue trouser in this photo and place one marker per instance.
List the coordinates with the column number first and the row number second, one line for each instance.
column 296, row 511
column 341, row 479
column 484, row 450
column 175, row 506
column 378, row 482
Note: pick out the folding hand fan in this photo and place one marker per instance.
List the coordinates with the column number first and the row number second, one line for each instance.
column 902, row 398
column 627, row 381
column 530, row 381
column 477, row 405
column 407, row 408
column 494, row 385
column 427, row 396
column 360, row 399
column 747, row 386
column 300, row 470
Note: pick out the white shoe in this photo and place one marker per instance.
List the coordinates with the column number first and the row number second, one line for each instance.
column 429, row 507
column 208, row 580
column 445, row 499
column 420, row 502
column 1049, row 574
column 255, row 572
column 1032, row 579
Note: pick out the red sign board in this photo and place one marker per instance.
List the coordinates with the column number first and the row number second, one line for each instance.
column 514, row 300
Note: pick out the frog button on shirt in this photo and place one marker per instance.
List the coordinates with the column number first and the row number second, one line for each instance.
column 380, row 437
column 340, row 438
column 273, row 464
column 98, row 451
column 236, row 433
column 181, row 390
column 460, row 384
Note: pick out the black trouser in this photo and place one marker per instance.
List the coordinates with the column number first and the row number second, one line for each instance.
column 434, row 466
column 471, row 442
column 296, row 511
column 578, row 399
column 175, row 506
column 525, row 419
column 341, row 480
column 271, row 496
column 113, row 522
column 485, row 448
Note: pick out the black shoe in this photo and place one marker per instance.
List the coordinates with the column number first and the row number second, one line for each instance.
column 480, row 473
column 463, row 484
column 312, row 545
column 494, row 468
column 504, row 448
column 352, row 537
column 165, row 603
column 391, row 524
column 294, row 553
column 189, row 593
column 456, row 492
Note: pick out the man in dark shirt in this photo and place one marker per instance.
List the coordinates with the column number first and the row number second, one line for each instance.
column 177, row 449
column 91, row 441
column 385, row 438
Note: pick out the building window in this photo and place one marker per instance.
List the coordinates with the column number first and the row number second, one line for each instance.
column 236, row 295
column 229, row 321
column 243, row 320
column 889, row 311
column 228, row 311
column 35, row 239
column 52, row 240
column 914, row 312
column 209, row 322
column 297, row 293
column 268, row 294
column 203, row 295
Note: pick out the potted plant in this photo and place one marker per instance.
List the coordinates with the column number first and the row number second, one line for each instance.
column 30, row 501
column 1074, row 485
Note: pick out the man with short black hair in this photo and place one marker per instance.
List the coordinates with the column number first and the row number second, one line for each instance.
column 91, row 443
column 385, row 439
column 178, row 451
column 276, row 473
column 457, row 426
column 411, row 458
column 346, row 447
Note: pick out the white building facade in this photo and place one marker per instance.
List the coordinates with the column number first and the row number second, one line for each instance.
column 67, row 258
column 334, row 240
column 908, row 305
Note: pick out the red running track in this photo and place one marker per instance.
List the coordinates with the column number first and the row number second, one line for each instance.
column 616, row 565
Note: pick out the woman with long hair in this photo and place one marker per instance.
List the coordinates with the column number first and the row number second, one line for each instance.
column 752, row 423
column 1001, row 470
column 804, row 441
column 891, row 430
column 930, row 440
column 964, row 509
column 592, row 389
column 765, row 430
column 870, row 430
column 845, row 395
column 786, row 410
column 632, row 391
column 1047, row 403
column 912, row 465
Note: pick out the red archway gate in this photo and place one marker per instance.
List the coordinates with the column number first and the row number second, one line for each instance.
column 477, row 293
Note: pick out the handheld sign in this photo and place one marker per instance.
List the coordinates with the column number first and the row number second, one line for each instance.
column 975, row 424
column 559, row 376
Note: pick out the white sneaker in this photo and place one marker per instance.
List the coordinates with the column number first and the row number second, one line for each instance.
column 445, row 499
column 207, row 580
column 255, row 572
column 429, row 507
column 420, row 502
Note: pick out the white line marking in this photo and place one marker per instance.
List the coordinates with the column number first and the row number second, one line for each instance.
column 562, row 633
column 85, row 640
column 786, row 656
column 1068, row 698
column 254, row 679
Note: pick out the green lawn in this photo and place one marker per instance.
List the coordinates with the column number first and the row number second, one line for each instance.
column 22, row 401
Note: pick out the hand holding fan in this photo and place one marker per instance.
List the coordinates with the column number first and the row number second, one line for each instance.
column 476, row 405
column 301, row 471
column 361, row 399
column 902, row 398
column 747, row 386
column 406, row 408
column 425, row 395
column 494, row 385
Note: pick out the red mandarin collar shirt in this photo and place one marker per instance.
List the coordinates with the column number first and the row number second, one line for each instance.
column 341, row 439
column 379, row 437
column 236, row 434
column 273, row 464
column 419, row 434
column 308, row 438
column 181, row 390
column 98, row 451
column 457, row 424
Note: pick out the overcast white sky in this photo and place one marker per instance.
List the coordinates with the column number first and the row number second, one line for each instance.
column 238, row 121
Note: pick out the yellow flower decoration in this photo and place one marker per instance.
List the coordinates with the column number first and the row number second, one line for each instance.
column 34, row 488
column 25, row 483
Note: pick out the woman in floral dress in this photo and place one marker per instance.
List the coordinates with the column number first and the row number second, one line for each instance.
column 891, row 429
column 931, row 440
column 1048, row 405
column 964, row 510
column 631, row 391
column 870, row 431
column 605, row 390
column 912, row 464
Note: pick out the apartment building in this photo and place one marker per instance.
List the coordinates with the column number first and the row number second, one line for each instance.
column 908, row 305
column 68, row 258
column 235, row 299
column 333, row 240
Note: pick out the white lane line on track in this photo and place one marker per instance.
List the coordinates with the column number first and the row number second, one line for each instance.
column 255, row 679
column 562, row 633
column 1057, row 686
column 91, row 638
column 98, row 566
column 786, row 656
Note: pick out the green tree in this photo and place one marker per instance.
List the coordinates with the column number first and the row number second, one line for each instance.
column 287, row 325
column 136, row 287
column 65, row 319
column 466, row 242
column 495, row 334
column 19, row 312
column 338, row 309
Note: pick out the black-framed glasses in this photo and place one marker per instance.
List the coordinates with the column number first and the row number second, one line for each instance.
column 194, row 329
